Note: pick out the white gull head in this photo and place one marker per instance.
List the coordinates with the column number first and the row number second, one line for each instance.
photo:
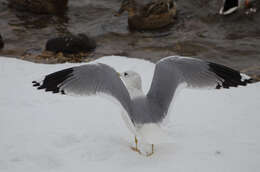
column 133, row 83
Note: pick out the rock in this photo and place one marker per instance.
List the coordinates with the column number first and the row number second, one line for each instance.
column 71, row 44
column 1, row 42
column 39, row 6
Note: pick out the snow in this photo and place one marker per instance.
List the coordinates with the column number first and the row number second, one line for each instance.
column 213, row 130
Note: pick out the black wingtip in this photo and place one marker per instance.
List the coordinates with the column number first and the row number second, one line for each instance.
column 36, row 84
column 52, row 81
column 229, row 77
column 228, row 4
column 62, row 92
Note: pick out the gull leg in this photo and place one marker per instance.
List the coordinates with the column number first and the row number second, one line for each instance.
column 136, row 142
column 150, row 154
column 136, row 148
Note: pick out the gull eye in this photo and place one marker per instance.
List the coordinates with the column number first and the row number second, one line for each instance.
column 125, row 74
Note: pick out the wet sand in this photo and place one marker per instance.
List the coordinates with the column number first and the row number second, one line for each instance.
column 199, row 31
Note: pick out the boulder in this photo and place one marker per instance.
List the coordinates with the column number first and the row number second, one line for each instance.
column 71, row 44
column 39, row 6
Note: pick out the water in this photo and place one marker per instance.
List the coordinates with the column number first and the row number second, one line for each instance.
column 199, row 31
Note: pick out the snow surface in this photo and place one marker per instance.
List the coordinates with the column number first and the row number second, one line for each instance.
column 213, row 130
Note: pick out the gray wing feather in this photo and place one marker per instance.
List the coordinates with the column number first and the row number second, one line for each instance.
column 87, row 79
column 170, row 72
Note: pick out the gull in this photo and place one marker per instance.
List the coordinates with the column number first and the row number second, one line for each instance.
column 143, row 113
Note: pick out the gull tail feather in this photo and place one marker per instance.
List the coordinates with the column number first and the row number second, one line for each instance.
column 154, row 134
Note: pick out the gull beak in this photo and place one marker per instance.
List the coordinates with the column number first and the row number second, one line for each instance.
column 119, row 75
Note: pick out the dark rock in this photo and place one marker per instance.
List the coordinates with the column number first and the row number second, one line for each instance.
column 71, row 44
column 39, row 6
column 1, row 42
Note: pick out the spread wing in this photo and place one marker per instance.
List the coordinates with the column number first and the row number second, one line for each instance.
column 89, row 79
column 171, row 72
